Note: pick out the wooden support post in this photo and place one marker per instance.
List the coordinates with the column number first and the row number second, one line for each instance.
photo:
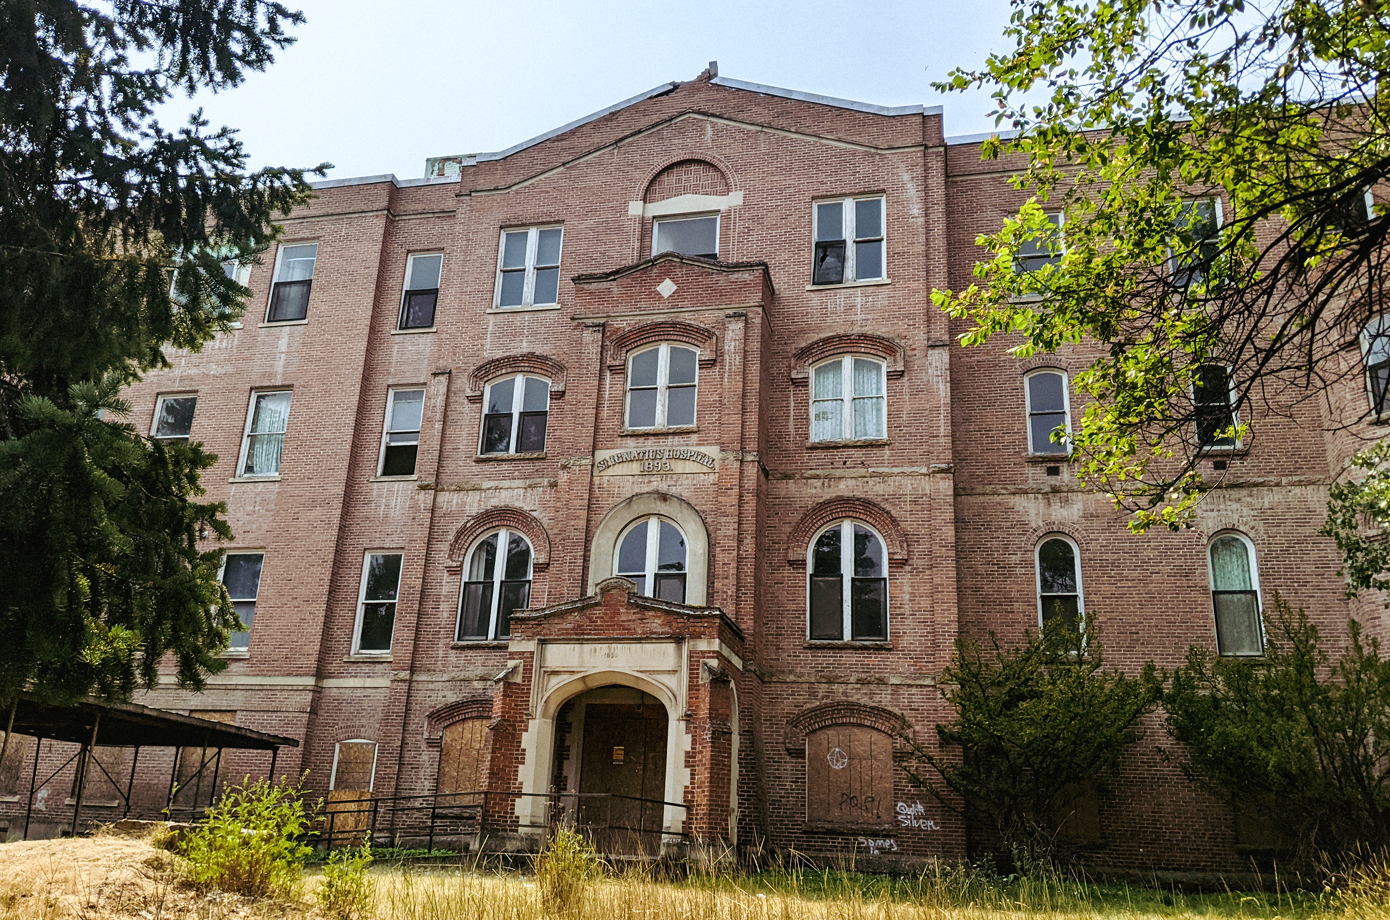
column 9, row 731
column 216, row 771
column 173, row 775
column 130, row 784
column 33, row 778
column 82, row 773
column 274, row 754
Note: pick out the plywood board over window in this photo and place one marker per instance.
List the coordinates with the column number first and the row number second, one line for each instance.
column 349, row 807
column 461, row 757
column 849, row 777
column 199, row 766
column 12, row 770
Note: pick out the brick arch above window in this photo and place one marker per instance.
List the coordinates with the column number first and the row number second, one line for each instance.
column 837, row 509
column 890, row 351
column 528, row 363
column 688, row 175
column 845, row 712
column 457, row 711
column 1048, row 362
column 1077, row 535
column 493, row 518
column 705, row 341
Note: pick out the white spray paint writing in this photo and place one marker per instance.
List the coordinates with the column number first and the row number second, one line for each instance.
column 876, row 845
column 912, row 814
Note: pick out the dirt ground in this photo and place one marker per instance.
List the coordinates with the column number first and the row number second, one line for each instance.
column 109, row 876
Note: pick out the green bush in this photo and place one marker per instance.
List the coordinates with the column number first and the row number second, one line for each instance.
column 249, row 844
column 346, row 892
column 1294, row 739
column 565, row 868
column 1036, row 727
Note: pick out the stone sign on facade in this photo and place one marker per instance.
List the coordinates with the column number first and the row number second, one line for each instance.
column 655, row 461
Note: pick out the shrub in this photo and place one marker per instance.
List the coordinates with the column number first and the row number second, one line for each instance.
column 1036, row 727
column 565, row 868
column 346, row 892
column 249, row 844
column 1293, row 738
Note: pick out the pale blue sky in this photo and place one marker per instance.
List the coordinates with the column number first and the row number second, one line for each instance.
column 378, row 87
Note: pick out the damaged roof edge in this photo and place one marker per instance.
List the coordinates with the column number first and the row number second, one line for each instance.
column 981, row 137
column 384, row 177
column 827, row 100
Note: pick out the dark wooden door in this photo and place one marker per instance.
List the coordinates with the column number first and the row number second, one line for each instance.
column 623, row 770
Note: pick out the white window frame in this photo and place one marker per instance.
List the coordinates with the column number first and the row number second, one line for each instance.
column 674, row 218
column 649, row 564
column 847, row 229
column 362, row 603
column 246, row 435
column 663, row 378
column 1380, row 322
column 1231, row 403
column 241, row 273
column 1058, row 220
column 1173, row 267
column 386, row 429
column 158, row 410
column 1076, row 563
column 1028, row 411
column 528, row 290
column 847, row 526
column 406, row 289
column 847, row 397
column 222, row 569
column 504, row 535
column 1254, row 586
column 518, row 395
column 337, row 746
column 275, row 279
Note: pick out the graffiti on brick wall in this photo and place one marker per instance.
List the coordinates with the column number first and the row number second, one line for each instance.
column 877, row 845
column 912, row 814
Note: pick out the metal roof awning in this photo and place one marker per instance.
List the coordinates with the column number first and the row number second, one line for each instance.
column 131, row 725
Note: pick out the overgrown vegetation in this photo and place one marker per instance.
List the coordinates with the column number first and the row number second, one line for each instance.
column 346, row 890
column 251, row 842
column 1297, row 738
column 565, row 868
column 1035, row 728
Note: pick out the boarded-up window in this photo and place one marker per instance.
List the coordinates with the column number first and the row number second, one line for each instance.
column 12, row 770
column 1077, row 818
column 849, row 777
column 461, row 757
column 355, row 766
column 200, row 766
column 349, row 812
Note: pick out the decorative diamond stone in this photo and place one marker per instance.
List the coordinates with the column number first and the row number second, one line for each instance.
column 666, row 288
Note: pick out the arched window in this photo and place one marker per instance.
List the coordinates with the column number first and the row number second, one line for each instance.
column 1048, row 410
column 514, row 419
column 1375, row 348
column 848, row 590
column 847, row 399
column 1235, row 595
column 1059, row 582
column 661, row 387
column 498, row 582
column 653, row 553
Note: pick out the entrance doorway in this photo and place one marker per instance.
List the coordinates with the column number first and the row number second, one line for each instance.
column 616, row 759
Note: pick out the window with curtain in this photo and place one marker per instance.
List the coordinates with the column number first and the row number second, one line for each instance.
column 1046, row 394
column 1235, row 596
column 1375, row 350
column 498, row 582
column 848, row 399
column 847, row 589
column 653, row 553
column 1059, row 584
column 265, row 433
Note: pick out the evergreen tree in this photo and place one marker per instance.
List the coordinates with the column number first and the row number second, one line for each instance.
column 113, row 235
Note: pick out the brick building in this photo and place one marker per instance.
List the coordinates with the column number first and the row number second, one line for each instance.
column 634, row 460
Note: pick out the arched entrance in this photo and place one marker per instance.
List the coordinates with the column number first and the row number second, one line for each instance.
column 611, row 747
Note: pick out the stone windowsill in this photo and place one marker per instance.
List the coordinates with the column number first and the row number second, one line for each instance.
column 283, row 322
column 872, row 282
column 275, row 478
column 850, row 442
column 644, row 432
column 421, row 331
column 496, row 311
column 373, row 657
column 841, row 644
column 480, row 643
column 492, row 458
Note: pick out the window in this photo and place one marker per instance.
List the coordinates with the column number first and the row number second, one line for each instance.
column 689, row 236
column 173, row 417
column 661, row 387
column 421, row 290
column 1375, row 348
column 848, row 584
column 238, row 272
column 515, row 416
column 1048, row 411
column 1214, row 407
column 401, row 440
column 1059, row 584
column 653, row 554
column 294, row 276
column 1198, row 227
column 461, row 761
column 498, row 582
column 241, row 575
column 1235, row 595
column 849, row 777
column 1042, row 250
column 528, row 267
column 265, row 433
column 354, row 766
column 847, row 399
column 376, row 606
column 848, row 241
